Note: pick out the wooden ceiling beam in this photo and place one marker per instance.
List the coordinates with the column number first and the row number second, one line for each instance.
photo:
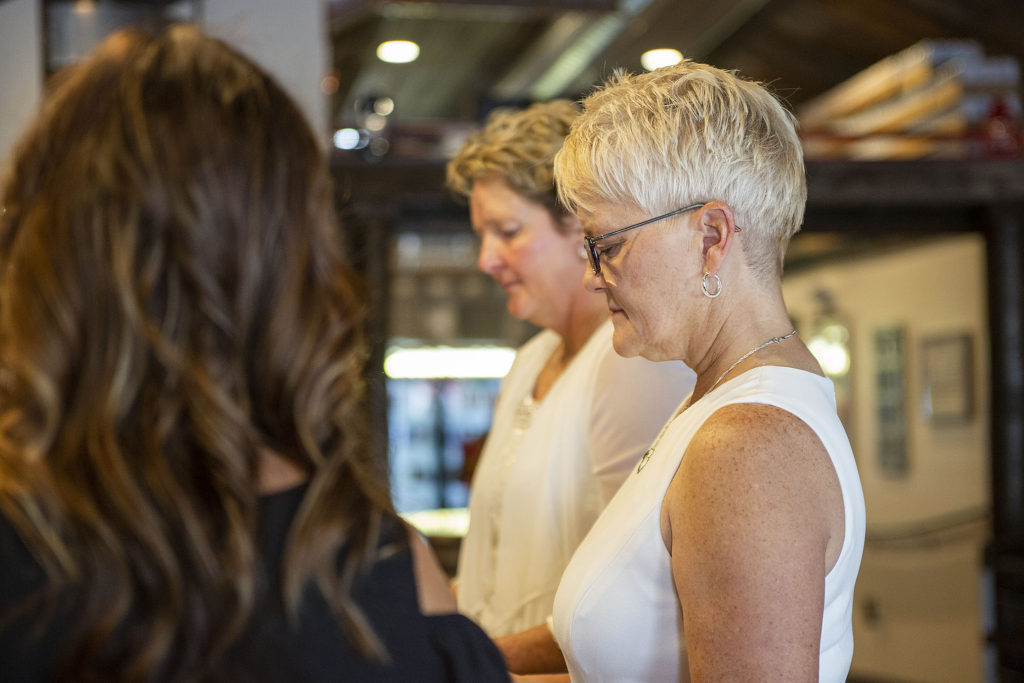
column 996, row 23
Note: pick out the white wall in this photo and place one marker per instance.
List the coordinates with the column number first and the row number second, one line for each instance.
column 288, row 39
column 21, row 68
column 918, row 605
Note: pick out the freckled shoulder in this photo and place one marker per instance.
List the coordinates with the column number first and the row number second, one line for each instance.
column 756, row 440
column 758, row 464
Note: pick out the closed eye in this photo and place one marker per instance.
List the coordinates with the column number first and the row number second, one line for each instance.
column 609, row 250
column 508, row 230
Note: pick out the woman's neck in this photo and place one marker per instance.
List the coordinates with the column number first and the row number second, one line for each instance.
column 584, row 319
column 742, row 339
column 585, row 316
column 276, row 473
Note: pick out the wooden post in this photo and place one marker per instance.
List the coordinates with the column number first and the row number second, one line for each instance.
column 1005, row 236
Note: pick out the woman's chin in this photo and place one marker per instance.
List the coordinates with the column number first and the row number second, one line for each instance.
column 518, row 308
column 624, row 338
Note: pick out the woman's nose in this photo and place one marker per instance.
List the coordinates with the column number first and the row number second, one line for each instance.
column 593, row 282
column 489, row 260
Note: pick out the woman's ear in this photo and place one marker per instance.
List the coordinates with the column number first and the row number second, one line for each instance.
column 718, row 225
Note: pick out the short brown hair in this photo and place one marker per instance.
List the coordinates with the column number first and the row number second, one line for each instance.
column 519, row 147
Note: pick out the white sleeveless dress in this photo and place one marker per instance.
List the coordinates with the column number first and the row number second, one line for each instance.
column 549, row 467
column 616, row 614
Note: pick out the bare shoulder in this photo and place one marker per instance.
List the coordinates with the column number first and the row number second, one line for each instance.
column 745, row 439
column 759, row 472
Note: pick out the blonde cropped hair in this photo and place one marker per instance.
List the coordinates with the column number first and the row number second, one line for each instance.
column 519, row 147
column 685, row 134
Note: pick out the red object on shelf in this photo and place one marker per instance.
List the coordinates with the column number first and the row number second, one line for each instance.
column 1000, row 132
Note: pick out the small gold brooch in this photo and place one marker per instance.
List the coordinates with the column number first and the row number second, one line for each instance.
column 643, row 460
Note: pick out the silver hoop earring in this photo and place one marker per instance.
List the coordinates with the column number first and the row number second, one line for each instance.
column 718, row 285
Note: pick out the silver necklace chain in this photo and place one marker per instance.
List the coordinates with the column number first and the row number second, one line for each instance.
column 650, row 451
column 748, row 354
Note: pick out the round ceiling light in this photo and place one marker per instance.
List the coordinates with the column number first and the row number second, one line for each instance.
column 398, row 51
column 655, row 59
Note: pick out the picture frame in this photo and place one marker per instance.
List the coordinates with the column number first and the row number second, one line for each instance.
column 891, row 412
column 947, row 386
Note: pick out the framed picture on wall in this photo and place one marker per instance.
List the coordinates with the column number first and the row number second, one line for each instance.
column 947, row 386
column 890, row 390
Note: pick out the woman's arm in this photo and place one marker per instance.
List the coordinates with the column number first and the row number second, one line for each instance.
column 753, row 520
column 532, row 651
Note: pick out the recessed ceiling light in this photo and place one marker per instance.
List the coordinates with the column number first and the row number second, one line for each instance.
column 398, row 51
column 655, row 59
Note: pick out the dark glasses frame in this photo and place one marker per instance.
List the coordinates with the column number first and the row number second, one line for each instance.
column 591, row 242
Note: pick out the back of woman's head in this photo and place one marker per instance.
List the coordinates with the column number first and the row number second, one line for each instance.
column 519, row 147
column 172, row 306
column 691, row 133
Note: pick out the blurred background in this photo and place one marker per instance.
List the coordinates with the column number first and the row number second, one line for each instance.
column 906, row 279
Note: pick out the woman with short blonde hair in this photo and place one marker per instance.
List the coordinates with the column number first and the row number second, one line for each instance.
column 732, row 549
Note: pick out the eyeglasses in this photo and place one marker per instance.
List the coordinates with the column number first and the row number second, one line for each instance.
column 591, row 242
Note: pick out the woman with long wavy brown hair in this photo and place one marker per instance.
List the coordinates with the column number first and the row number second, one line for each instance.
column 184, row 489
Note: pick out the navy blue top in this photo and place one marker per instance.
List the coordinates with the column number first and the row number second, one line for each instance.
column 422, row 648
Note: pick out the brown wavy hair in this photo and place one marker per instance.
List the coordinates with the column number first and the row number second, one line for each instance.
column 173, row 306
